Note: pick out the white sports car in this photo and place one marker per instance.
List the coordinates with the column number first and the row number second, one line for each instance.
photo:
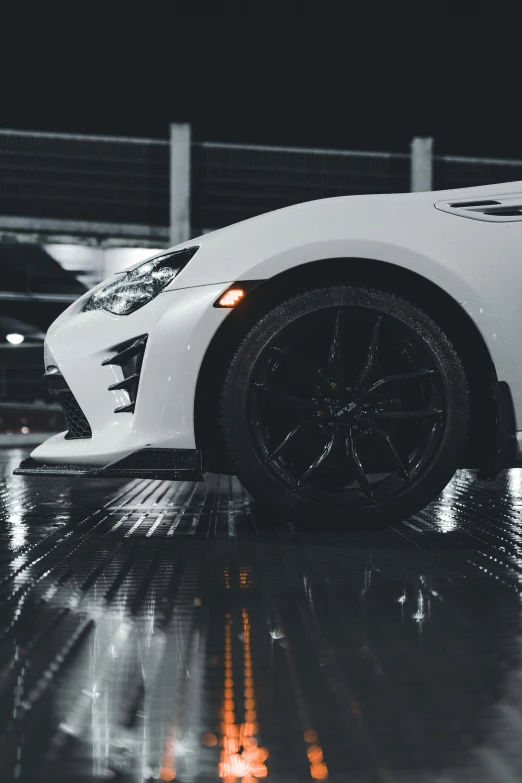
column 342, row 357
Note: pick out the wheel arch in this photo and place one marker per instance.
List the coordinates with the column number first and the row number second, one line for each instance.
column 394, row 279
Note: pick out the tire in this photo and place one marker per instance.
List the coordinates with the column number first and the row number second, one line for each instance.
column 358, row 453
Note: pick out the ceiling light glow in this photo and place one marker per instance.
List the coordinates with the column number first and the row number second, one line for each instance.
column 14, row 338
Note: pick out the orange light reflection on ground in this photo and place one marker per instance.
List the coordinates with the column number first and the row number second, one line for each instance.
column 318, row 769
column 210, row 740
column 240, row 755
column 168, row 758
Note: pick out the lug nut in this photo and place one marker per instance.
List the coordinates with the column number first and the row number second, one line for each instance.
column 320, row 413
column 333, row 385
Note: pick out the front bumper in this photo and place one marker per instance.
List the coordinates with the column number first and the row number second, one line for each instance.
column 179, row 326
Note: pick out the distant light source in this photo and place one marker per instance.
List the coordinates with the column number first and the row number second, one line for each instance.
column 231, row 297
column 14, row 338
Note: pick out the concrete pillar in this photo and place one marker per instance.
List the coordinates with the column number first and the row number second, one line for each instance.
column 421, row 163
column 180, row 140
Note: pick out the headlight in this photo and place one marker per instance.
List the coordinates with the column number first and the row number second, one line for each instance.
column 131, row 290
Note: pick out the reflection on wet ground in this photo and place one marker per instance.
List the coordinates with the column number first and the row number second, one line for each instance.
column 159, row 631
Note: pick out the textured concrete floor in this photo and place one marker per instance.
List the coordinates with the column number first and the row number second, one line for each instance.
column 160, row 631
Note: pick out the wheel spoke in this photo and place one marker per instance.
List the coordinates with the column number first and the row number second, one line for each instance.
column 362, row 478
column 318, row 461
column 301, row 365
column 403, row 377
column 371, row 356
column 387, row 448
column 406, row 415
column 289, row 400
column 334, row 355
column 286, row 439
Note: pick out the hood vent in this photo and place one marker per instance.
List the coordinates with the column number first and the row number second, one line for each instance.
column 500, row 209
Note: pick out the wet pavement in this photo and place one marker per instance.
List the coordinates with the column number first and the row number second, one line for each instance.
column 160, row 631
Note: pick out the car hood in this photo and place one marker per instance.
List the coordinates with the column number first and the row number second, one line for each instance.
column 351, row 204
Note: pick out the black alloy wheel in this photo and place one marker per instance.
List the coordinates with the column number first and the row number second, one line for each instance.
column 345, row 405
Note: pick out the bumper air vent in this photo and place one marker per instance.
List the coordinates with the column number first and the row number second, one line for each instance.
column 499, row 209
column 77, row 424
column 128, row 356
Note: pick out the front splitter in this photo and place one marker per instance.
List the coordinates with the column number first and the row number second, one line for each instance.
column 167, row 464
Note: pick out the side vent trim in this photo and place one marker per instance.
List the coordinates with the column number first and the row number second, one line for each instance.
column 125, row 408
column 126, row 383
column 126, row 351
column 129, row 357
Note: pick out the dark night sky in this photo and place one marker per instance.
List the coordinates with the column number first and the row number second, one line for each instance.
column 278, row 74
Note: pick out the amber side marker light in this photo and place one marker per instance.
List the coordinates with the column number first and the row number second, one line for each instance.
column 236, row 293
column 231, row 297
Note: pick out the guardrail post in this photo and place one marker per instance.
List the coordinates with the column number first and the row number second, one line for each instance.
column 180, row 139
column 421, row 163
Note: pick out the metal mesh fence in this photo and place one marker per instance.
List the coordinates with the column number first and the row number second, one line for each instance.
column 232, row 182
column 452, row 171
column 84, row 178
column 127, row 181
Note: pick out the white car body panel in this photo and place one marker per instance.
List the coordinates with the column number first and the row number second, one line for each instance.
column 78, row 343
column 478, row 263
